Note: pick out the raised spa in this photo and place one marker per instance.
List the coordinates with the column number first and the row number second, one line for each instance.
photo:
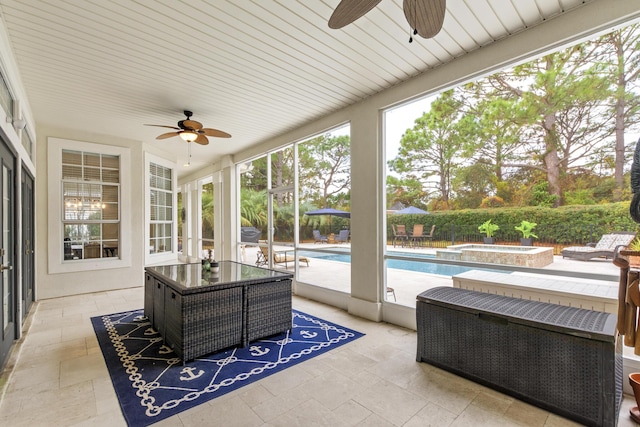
column 524, row 256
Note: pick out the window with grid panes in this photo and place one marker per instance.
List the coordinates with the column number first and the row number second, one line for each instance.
column 6, row 100
column 91, row 205
column 161, row 209
column 27, row 142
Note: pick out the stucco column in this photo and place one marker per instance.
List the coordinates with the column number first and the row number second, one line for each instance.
column 366, row 222
column 226, row 215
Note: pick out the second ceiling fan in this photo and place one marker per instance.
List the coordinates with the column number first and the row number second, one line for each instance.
column 192, row 131
column 424, row 16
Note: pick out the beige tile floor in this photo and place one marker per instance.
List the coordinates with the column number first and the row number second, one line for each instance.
column 57, row 377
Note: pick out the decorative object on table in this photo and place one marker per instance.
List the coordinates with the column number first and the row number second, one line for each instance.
column 488, row 229
column 215, row 266
column 526, row 228
column 152, row 383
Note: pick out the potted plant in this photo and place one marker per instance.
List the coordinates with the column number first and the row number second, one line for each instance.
column 632, row 252
column 488, row 229
column 526, row 228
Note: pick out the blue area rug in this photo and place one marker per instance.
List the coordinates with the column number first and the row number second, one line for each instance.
column 153, row 384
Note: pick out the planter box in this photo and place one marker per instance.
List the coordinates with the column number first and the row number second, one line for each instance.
column 526, row 242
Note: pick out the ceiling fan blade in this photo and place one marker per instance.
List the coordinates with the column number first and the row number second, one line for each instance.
column 348, row 11
column 425, row 16
column 163, row 126
column 214, row 132
column 202, row 140
column 167, row 135
column 192, row 124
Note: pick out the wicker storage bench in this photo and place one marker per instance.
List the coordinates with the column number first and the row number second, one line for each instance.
column 198, row 312
column 564, row 359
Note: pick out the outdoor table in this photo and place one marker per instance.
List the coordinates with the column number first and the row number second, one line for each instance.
column 198, row 312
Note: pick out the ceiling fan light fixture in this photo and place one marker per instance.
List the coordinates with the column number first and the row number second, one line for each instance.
column 188, row 135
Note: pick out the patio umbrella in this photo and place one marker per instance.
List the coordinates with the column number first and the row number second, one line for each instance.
column 331, row 212
column 411, row 210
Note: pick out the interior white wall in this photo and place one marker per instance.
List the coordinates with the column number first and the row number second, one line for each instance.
column 61, row 284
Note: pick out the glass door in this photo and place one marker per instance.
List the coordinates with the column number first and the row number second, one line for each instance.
column 7, row 248
column 281, row 207
column 281, row 220
column 28, row 279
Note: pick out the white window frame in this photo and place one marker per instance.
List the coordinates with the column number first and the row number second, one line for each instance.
column 55, row 256
column 171, row 255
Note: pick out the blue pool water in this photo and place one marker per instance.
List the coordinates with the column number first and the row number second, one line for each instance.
column 422, row 267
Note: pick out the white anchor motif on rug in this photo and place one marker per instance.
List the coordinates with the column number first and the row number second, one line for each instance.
column 190, row 375
column 165, row 350
column 257, row 350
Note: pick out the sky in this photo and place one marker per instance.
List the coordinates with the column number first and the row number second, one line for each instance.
column 399, row 119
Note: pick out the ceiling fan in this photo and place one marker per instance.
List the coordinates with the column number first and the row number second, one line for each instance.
column 192, row 131
column 424, row 16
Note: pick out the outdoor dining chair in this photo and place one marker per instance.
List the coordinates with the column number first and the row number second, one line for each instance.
column 319, row 238
column 342, row 237
column 399, row 234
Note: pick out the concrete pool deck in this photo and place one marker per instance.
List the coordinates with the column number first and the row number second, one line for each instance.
column 408, row 284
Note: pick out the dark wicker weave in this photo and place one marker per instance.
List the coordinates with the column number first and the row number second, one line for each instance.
column 564, row 359
column 197, row 313
column 202, row 323
column 149, row 284
column 268, row 309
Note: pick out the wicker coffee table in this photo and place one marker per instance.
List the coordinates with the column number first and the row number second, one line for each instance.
column 199, row 312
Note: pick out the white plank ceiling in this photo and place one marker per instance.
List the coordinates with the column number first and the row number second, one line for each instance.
column 252, row 68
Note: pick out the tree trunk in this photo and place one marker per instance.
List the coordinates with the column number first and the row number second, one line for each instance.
column 620, row 119
column 551, row 159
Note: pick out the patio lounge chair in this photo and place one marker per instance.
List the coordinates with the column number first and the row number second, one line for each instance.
column 605, row 247
column 279, row 257
column 319, row 238
column 342, row 237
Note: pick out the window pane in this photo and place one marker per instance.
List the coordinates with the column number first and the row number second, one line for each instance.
column 160, row 208
column 207, row 214
column 110, row 231
column 110, row 176
column 110, row 211
column 91, row 174
column 110, row 162
column 88, row 203
column 110, row 193
column 324, row 164
column 6, row 100
column 282, row 168
column 91, row 159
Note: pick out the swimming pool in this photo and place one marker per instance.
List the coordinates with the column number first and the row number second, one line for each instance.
column 400, row 264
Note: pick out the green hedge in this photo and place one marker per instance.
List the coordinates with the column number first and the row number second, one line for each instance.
column 568, row 224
